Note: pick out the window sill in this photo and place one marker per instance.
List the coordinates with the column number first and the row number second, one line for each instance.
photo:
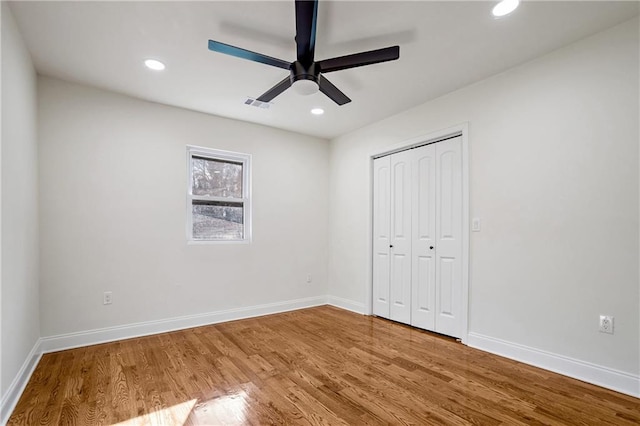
column 216, row 242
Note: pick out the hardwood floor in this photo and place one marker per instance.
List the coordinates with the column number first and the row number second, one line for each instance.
column 315, row 366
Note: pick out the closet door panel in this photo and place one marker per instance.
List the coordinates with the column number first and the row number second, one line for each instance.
column 400, row 308
column 423, row 242
column 381, row 235
column 449, row 237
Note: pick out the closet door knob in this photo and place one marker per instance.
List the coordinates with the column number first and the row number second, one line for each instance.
column 390, row 245
column 430, row 247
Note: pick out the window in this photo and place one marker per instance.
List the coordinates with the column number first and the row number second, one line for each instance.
column 218, row 202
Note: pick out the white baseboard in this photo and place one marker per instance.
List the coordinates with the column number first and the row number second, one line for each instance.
column 347, row 304
column 110, row 334
column 11, row 397
column 609, row 378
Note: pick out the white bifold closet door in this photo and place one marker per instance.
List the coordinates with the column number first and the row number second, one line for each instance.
column 417, row 265
column 437, row 240
column 392, row 237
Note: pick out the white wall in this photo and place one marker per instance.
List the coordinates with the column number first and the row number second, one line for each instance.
column 554, row 178
column 19, row 286
column 112, row 205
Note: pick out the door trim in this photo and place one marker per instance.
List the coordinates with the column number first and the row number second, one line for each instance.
column 457, row 130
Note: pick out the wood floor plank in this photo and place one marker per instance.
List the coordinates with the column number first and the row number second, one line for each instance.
column 318, row 366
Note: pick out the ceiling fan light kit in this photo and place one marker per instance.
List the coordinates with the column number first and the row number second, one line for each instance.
column 305, row 87
column 305, row 74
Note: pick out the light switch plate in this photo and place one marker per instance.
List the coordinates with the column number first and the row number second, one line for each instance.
column 475, row 224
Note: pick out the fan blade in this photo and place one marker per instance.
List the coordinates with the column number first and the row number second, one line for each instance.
column 332, row 91
column 360, row 59
column 306, row 19
column 238, row 52
column 275, row 90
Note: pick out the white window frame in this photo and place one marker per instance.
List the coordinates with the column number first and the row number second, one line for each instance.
column 216, row 154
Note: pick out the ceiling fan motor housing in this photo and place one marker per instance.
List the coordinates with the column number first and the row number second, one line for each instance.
column 300, row 72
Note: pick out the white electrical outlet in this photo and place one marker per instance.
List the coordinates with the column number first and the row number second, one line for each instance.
column 606, row 324
column 107, row 298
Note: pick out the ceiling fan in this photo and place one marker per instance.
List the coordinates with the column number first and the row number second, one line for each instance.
column 305, row 74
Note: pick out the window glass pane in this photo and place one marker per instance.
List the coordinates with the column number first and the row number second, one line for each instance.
column 217, row 220
column 216, row 178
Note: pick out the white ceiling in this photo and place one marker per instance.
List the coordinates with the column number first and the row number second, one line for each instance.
column 443, row 46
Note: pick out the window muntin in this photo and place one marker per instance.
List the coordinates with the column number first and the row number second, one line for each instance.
column 218, row 206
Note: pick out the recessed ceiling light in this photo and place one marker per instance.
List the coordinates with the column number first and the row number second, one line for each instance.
column 505, row 7
column 154, row 64
column 317, row 111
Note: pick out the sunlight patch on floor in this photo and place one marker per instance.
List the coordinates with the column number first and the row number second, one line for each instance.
column 174, row 415
column 226, row 410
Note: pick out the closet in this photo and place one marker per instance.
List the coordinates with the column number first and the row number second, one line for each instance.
column 417, row 236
